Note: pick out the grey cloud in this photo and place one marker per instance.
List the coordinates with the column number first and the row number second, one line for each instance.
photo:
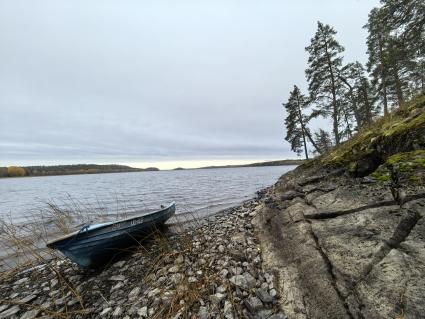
column 135, row 81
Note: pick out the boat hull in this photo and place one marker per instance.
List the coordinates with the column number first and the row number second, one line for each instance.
column 92, row 247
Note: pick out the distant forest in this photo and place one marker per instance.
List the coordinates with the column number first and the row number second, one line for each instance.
column 351, row 94
column 16, row 171
column 271, row 163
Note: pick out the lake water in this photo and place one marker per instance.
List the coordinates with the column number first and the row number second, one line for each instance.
column 202, row 191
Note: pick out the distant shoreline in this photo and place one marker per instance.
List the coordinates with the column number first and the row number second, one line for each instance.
column 84, row 169
column 260, row 164
column 77, row 169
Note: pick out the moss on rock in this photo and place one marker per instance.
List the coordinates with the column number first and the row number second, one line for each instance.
column 402, row 131
column 409, row 166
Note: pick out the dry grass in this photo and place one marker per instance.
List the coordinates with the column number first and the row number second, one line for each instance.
column 24, row 243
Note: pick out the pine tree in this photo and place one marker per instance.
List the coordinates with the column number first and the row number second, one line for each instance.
column 407, row 18
column 360, row 97
column 366, row 99
column 323, row 141
column 296, row 122
column 378, row 55
column 350, row 76
column 405, row 21
column 324, row 64
column 395, row 58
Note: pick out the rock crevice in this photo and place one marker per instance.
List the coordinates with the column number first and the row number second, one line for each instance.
column 345, row 248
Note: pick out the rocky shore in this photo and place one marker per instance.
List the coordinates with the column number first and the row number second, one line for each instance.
column 344, row 247
column 345, row 233
column 213, row 270
column 341, row 236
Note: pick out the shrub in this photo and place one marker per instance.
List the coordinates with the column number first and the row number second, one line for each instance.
column 15, row 171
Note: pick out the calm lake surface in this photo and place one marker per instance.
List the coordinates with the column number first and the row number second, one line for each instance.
column 202, row 191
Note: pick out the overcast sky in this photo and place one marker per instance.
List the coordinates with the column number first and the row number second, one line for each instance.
column 164, row 83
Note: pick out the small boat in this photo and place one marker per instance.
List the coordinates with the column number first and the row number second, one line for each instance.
column 94, row 243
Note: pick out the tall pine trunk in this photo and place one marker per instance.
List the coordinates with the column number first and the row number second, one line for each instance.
column 334, row 101
column 368, row 115
column 303, row 130
column 383, row 78
column 354, row 101
column 310, row 138
column 398, row 87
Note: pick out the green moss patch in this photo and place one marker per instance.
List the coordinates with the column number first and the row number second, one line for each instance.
column 409, row 165
column 400, row 131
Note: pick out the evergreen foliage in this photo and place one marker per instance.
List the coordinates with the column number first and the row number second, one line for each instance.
column 324, row 65
column 296, row 121
column 323, row 141
column 351, row 95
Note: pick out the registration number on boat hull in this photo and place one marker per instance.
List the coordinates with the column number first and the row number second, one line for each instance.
column 134, row 222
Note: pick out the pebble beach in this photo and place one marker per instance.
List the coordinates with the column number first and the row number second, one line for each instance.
column 212, row 269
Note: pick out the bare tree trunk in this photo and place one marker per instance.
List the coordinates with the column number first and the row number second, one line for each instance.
column 300, row 119
column 383, row 78
column 334, row 101
column 368, row 115
column 399, row 90
column 353, row 100
column 310, row 138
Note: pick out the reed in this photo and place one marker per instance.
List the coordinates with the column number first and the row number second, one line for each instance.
column 25, row 243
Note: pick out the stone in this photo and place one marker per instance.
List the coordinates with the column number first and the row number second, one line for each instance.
column 224, row 273
column 238, row 239
column 72, row 302
column 176, row 278
column 143, row 312
column 239, row 281
column 250, row 280
column 105, row 311
column 28, row 299
column 119, row 264
column 192, row 280
column 174, row 269
column 117, row 278
column 291, row 194
column 134, row 293
column 10, row 312
column 278, row 316
column 264, row 314
column 53, row 282
column 30, row 314
column 60, row 301
column 221, row 289
column 253, row 304
column 217, row 298
column 153, row 292
column 117, row 286
column 237, row 254
column 179, row 260
column 264, row 295
column 236, row 270
column 117, row 312
column 203, row 313
column 228, row 310
column 21, row 281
